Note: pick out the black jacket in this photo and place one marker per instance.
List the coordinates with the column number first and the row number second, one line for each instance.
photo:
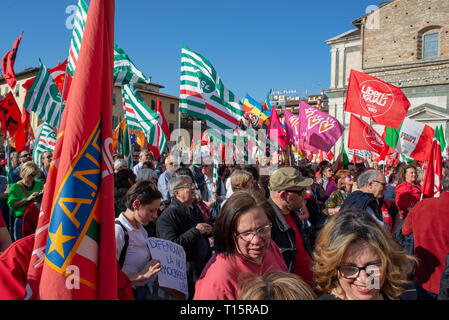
column 363, row 200
column 178, row 225
column 284, row 236
column 444, row 283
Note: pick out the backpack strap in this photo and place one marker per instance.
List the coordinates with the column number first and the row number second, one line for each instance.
column 122, row 257
column 23, row 189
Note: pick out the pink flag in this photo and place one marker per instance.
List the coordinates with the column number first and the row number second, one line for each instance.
column 276, row 132
column 317, row 129
column 292, row 128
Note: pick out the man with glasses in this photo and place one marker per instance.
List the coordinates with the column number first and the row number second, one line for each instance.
column 144, row 156
column 162, row 183
column 183, row 223
column 372, row 185
column 286, row 197
column 24, row 156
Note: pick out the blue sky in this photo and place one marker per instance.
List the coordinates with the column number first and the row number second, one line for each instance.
column 253, row 45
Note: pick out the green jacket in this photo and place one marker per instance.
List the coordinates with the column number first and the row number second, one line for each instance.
column 16, row 194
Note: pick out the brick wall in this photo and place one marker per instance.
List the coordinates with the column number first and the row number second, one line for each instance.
column 392, row 39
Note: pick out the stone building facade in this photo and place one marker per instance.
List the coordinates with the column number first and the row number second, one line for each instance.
column 405, row 43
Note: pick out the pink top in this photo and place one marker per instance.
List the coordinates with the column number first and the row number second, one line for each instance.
column 219, row 280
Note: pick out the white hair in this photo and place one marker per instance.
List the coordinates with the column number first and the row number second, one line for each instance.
column 146, row 174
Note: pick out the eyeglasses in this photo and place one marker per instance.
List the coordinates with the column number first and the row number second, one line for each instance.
column 298, row 192
column 25, row 155
column 380, row 182
column 187, row 185
column 352, row 272
column 262, row 231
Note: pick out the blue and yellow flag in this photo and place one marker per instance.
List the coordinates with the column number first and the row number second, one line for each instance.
column 254, row 113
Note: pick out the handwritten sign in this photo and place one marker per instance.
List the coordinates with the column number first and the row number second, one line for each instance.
column 173, row 261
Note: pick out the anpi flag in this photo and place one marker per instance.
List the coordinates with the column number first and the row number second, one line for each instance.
column 413, row 139
column 371, row 97
column 434, row 173
column 362, row 137
column 74, row 250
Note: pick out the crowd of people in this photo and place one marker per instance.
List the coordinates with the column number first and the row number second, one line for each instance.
column 305, row 232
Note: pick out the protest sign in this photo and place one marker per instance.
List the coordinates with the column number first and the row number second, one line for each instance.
column 173, row 261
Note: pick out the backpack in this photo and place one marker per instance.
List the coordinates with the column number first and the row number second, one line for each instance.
column 122, row 257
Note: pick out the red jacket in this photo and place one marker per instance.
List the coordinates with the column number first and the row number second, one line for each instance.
column 407, row 195
column 429, row 223
column 14, row 263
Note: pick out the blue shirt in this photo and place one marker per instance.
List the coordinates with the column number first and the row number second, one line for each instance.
column 162, row 184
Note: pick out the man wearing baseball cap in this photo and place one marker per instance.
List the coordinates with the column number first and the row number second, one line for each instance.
column 286, row 197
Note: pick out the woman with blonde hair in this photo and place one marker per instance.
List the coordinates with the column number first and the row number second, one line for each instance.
column 275, row 285
column 355, row 259
column 23, row 193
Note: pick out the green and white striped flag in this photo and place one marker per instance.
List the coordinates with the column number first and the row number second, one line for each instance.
column 77, row 35
column 45, row 141
column 204, row 96
column 140, row 117
column 124, row 69
column 44, row 98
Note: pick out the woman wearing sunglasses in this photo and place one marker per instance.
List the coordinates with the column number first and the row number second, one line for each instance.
column 355, row 259
column 243, row 244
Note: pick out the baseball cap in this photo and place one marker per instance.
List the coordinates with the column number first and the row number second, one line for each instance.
column 287, row 177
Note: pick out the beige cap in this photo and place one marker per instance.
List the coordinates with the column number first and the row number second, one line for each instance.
column 287, row 177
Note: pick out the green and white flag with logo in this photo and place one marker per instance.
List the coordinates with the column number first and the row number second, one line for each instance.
column 45, row 141
column 77, row 36
column 44, row 98
column 204, row 96
column 124, row 70
column 140, row 117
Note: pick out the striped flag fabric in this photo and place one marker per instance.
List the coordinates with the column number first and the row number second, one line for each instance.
column 124, row 69
column 141, row 118
column 204, row 96
column 44, row 98
column 77, row 35
column 413, row 139
column 45, row 141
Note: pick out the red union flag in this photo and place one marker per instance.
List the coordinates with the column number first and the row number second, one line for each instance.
column 8, row 64
column 363, row 137
column 371, row 97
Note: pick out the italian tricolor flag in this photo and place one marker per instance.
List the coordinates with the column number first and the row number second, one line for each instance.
column 412, row 139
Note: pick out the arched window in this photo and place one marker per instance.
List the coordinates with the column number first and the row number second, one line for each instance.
column 428, row 42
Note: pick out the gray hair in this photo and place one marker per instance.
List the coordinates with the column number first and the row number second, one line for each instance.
column 119, row 163
column 445, row 182
column 146, row 174
column 366, row 177
column 175, row 182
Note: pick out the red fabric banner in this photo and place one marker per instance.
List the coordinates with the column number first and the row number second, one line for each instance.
column 10, row 116
column 8, row 61
column 363, row 137
column 74, row 254
column 371, row 97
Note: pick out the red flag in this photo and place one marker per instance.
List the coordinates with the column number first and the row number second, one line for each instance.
column 58, row 74
column 74, row 251
column 433, row 176
column 162, row 121
column 24, row 133
column 10, row 116
column 363, row 137
column 275, row 131
column 8, row 64
column 371, row 97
